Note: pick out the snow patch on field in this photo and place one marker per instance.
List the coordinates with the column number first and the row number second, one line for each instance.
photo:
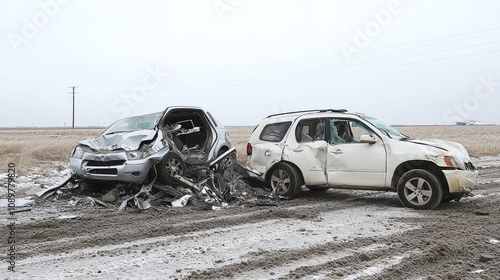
column 37, row 180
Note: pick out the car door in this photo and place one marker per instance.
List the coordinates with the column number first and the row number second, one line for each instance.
column 306, row 147
column 352, row 162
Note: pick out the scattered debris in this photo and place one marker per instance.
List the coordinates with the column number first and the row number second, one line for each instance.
column 213, row 186
column 481, row 213
column 216, row 185
column 20, row 210
column 181, row 202
column 69, row 217
column 54, row 188
column 141, row 199
column 486, row 258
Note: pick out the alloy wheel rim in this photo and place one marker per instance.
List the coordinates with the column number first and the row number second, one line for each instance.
column 417, row 191
column 280, row 180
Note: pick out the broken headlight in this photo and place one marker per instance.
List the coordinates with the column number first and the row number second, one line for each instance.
column 453, row 161
column 79, row 151
column 134, row 155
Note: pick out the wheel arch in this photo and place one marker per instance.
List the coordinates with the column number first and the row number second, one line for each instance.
column 224, row 148
column 419, row 164
column 269, row 170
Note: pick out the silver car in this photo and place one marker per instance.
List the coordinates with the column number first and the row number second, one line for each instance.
column 160, row 144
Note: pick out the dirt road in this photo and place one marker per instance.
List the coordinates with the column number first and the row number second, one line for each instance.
column 338, row 234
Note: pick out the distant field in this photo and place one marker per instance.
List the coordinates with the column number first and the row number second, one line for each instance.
column 478, row 140
column 30, row 148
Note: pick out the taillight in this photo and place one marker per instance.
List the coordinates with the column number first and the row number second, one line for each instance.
column 249, row 149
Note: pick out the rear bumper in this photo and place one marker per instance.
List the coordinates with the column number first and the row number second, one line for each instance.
column 461, row 181
column 255, row 174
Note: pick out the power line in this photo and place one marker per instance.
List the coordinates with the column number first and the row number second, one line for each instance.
column 327, row 68
column 314, row 60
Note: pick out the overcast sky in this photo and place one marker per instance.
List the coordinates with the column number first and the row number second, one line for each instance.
column 405, row 62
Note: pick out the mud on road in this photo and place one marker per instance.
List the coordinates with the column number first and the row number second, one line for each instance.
column 338, row 234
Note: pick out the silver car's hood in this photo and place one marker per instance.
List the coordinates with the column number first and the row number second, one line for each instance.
column 128, row 141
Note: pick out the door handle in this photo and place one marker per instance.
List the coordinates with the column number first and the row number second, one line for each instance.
column 298, row 150
column 337, row 152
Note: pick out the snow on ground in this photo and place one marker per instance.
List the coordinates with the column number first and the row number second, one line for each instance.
column 34, row 180
column 181, row 255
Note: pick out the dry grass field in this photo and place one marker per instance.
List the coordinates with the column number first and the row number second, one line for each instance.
column 29, row 148
column 478, row 140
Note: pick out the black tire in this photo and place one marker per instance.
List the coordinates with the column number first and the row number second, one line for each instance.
column 419, row 189
column 287, row 179
column 318, row 189
column 172, row 164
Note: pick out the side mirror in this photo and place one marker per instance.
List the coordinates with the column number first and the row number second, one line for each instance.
column 370, row 139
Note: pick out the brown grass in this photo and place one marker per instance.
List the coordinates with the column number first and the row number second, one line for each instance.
column 30, row 148
column 239, row 138
column 478, row 140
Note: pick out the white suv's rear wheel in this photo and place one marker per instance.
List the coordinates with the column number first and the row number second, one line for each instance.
column 419, row 189
column 286, row 179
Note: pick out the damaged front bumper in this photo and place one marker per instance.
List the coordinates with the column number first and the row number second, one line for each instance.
column 461, row 181
column 113, row 167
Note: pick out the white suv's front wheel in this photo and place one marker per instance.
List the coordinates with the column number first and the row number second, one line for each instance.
column 419, row 189
column 286, row 180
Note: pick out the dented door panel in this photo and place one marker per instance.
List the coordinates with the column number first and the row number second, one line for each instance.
column 310, row 158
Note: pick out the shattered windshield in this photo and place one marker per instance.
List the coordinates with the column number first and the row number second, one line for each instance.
column 134, row 123
column 386, row 129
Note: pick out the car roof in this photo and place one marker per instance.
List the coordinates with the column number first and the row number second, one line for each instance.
column 318, row 112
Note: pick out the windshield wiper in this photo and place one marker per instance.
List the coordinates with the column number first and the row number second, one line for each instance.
column 405, row 137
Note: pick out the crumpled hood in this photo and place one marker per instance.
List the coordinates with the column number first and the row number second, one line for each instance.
column 128, row 141
column 452, row 147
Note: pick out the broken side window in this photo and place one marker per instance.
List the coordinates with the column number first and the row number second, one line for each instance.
column 347, row 131
column 309, row 130
column 274, row 132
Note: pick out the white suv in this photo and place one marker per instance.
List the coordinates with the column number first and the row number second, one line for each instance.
column 324, row 149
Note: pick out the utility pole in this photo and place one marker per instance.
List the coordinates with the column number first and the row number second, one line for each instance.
column 73, row 123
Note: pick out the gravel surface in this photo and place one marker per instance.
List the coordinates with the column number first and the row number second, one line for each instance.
column 338, row 234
